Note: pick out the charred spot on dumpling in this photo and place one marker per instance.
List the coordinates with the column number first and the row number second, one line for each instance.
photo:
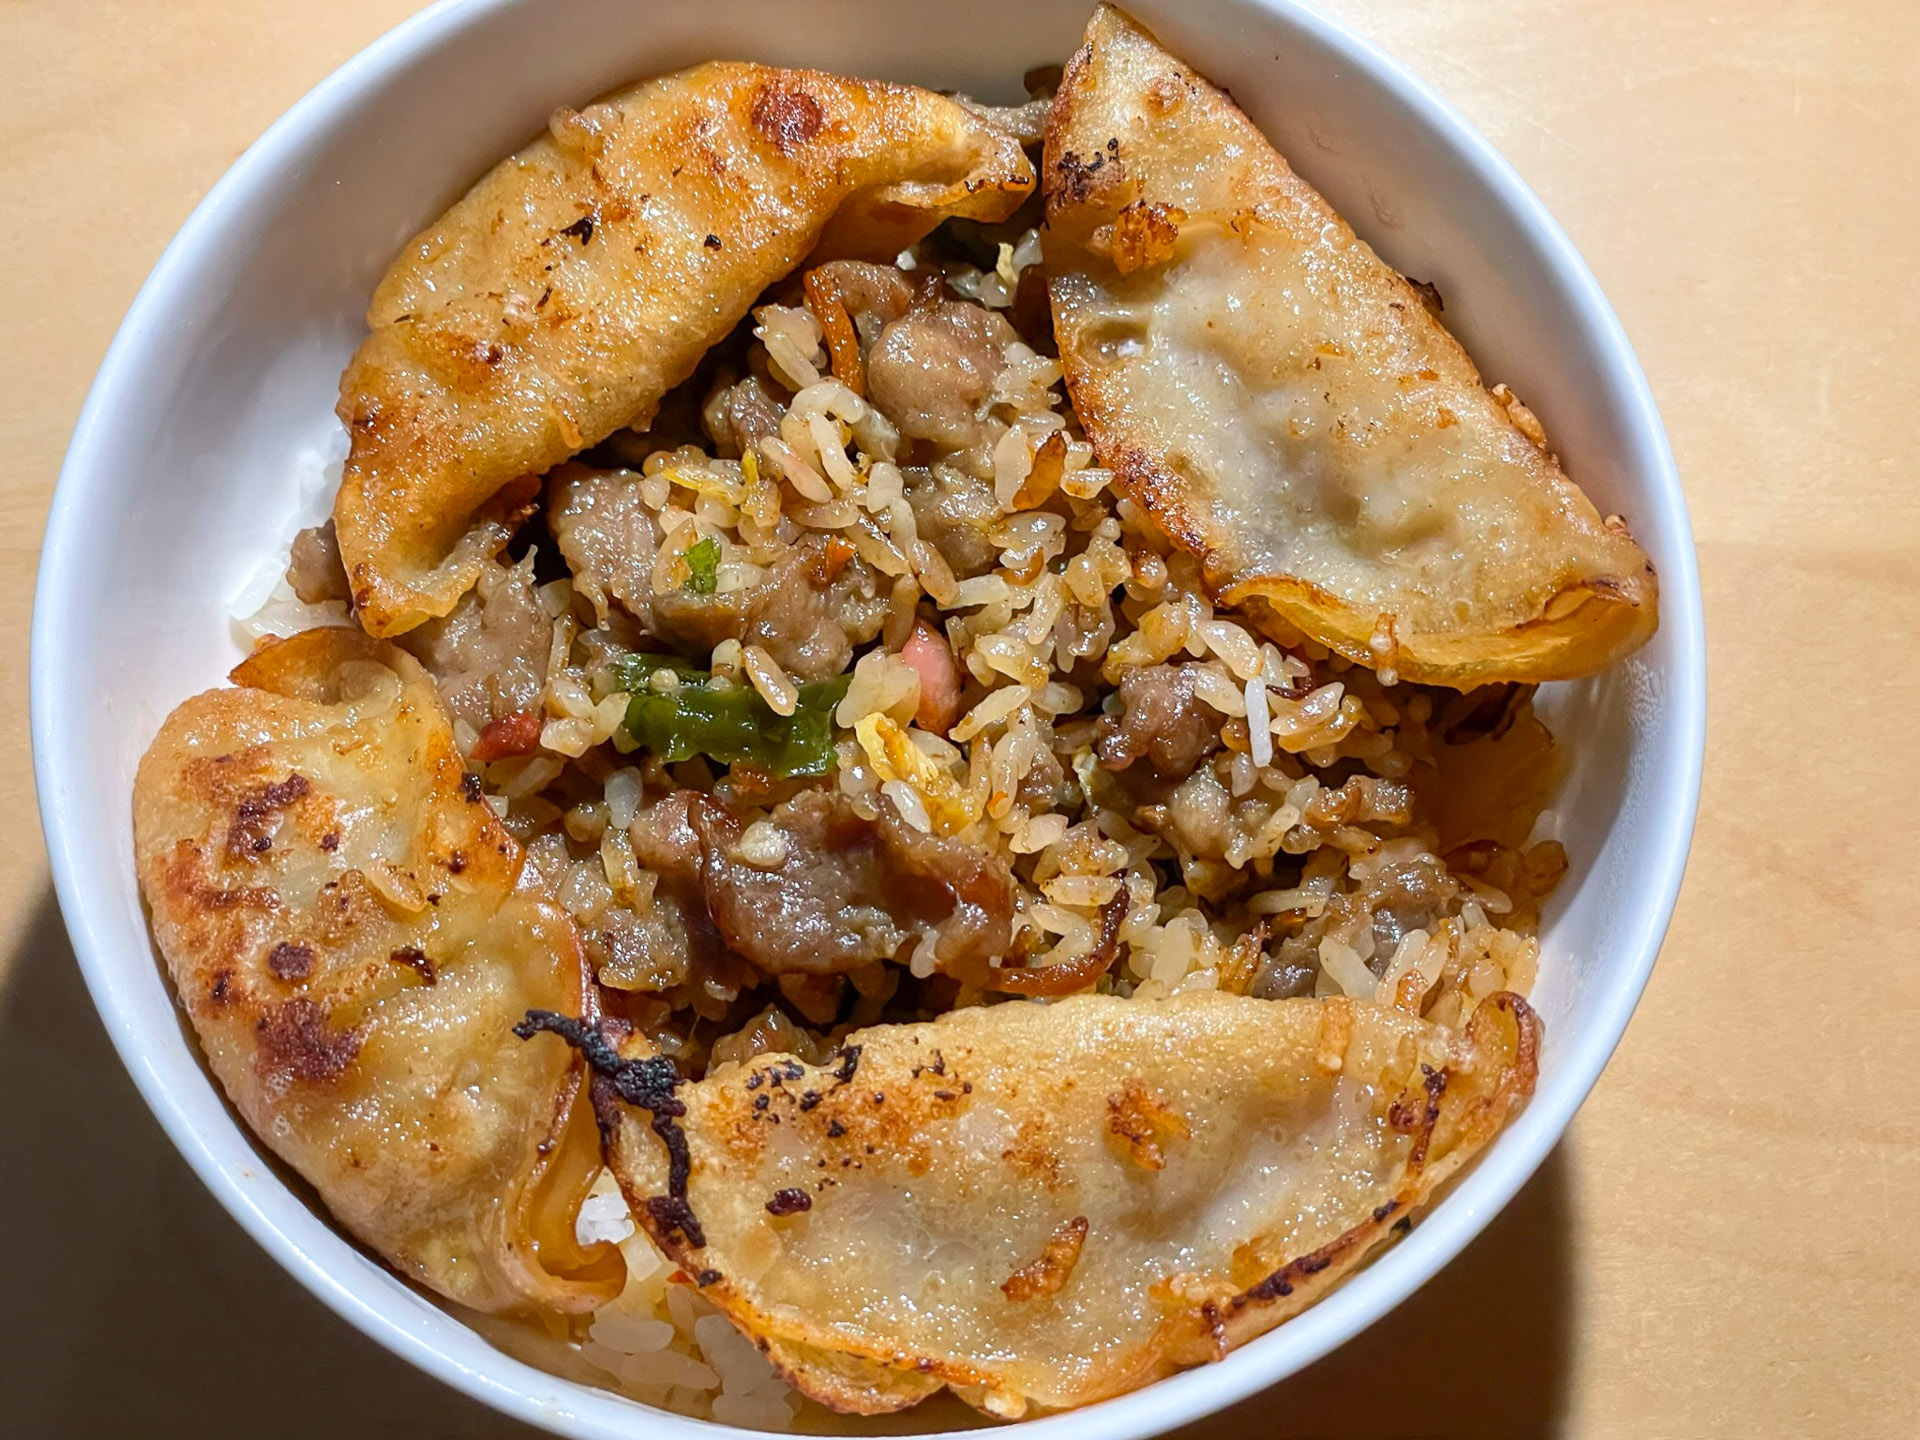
column 646, row 1082
column 297, row 1041
column 787, row 115
column 1282, row 1281
column 290, row 960
column 415, row 959
column 1074, row 177
column 256, row 817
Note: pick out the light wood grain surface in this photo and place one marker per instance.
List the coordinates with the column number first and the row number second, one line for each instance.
column 1721, row 1247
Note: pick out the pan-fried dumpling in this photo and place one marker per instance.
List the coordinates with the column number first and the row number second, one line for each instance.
column 1285, row 406
column 584, row 277
column 1045, row 1205
column 350, row 932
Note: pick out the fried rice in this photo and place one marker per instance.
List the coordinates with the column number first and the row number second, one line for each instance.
column 872, row 529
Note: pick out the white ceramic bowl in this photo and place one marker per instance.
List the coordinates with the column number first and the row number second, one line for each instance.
column 185, row 474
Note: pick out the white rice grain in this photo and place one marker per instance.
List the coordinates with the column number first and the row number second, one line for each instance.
column 907, row 801
column 1218, row 691
column 604, row 1216
column 1259, row 722
column 775, row 687
column 1343, row 963
column 998, row 706
column 762, row 845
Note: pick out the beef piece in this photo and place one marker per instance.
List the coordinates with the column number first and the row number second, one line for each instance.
column 1040, row 788
column 814, row 606
column 840, row 892
column 314, row 569
column 739, row 415
column 674, row 941
column 1163, row 722
column 1279, row 980
column 489, row 656
column 932, row 370
column 953, row 513
column 607, row 536
column 1415, row 895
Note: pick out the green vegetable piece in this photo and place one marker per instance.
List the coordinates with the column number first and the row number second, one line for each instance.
column 727, row 722
column 634, row 673
column 703, row 566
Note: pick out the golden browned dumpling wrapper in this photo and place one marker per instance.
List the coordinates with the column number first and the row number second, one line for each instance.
column 1286, row 407
column 352, row 936
column 1045, row 1205
column 584, row 277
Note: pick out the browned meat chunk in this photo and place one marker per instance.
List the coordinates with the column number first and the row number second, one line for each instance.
column 489, row 656
column 822, row 891
column 1164, row 723
column 953, row 513
column 1414, row 895
column 314, row 569
column 739, row 416
column 1361, row 799
column 1040, row 789
column 664, row 840
column 816, row 603
column 1402, row 898
column 932, row 370
column 607, row 535
column 671, row 942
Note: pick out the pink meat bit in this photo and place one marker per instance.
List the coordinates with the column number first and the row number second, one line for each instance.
column 926, row 651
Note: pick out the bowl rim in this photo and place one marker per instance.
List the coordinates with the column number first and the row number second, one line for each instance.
column 565, row 1407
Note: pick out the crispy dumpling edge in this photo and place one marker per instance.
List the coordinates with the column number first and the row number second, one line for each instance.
column 1601, row 619
column 1504, row 1035
column 398, row 593
column 302, row 667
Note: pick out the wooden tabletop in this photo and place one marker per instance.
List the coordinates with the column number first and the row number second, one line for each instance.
column 1722, row 1245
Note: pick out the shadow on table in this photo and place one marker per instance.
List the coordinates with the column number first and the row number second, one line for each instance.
column 1483, row 1351
column 132, row 1305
